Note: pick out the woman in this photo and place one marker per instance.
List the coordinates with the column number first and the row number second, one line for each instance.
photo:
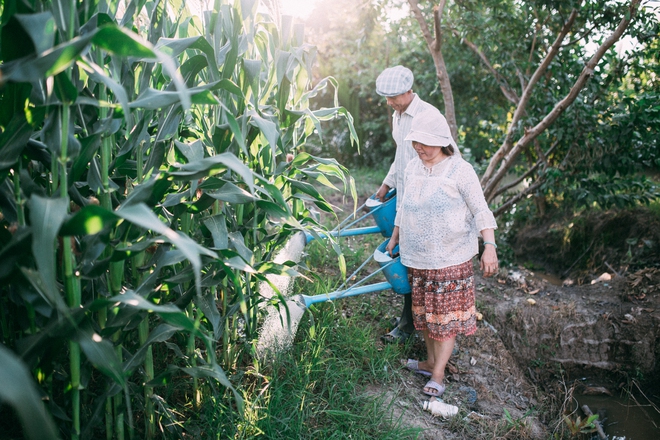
column 437, row 226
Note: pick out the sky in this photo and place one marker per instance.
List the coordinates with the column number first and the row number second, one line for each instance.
column 303, row 8
column 297, row 8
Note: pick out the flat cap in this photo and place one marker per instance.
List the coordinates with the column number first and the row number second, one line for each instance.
column 394, row 81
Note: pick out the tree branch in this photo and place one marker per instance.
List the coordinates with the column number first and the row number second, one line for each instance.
column 507, row 187
column 532, row 49
column 414, row 7
column 584, row 35
column 508, row 92
column 521, row 78
column 437, row 22
column 559, row 108
column 529, row 172
column 517, row 198
column 527, row 94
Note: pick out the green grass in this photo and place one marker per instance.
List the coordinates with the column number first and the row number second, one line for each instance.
column 319, row 388
column 655, row 207
column 323, row 387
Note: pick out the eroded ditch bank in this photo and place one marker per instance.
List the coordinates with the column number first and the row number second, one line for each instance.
column 590, row 342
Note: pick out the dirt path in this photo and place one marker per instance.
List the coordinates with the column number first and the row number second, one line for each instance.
column 483, row 380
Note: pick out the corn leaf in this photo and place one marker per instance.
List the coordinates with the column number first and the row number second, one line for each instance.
column 18, row 390
column 231, row 193
column 121, row 42
column 40, row 27
column 46, row 217
column 101, row 353
column 13, row 140
column 89, row 220
column 215, row 372
column 203, row 167
column 217, row 225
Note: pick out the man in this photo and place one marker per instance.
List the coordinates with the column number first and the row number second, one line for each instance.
column 395, row 84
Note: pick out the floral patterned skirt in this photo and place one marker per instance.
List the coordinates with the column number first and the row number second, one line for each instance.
column 443, row 300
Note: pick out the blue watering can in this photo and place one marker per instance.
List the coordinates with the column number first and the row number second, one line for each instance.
column 382, row 212
column 395, row 273
column 281, row 324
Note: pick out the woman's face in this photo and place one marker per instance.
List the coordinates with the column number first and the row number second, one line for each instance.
column 428, row 155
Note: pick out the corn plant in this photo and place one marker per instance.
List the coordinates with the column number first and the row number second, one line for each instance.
column 152, row 161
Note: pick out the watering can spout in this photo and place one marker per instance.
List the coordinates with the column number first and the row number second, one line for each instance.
column 382, row 212
column 280, row 325
column 308, row 300
column 395, row 273
column 345, row 232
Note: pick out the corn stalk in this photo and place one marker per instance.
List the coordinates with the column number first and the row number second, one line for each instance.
column 145, row 148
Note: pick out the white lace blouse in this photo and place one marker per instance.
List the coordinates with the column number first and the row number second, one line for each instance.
column 441, row 214
column 401, row 123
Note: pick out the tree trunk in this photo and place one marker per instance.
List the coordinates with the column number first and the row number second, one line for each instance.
column 435, row 47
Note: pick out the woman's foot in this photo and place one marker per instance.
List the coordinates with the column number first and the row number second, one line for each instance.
column 414, row 366
column 426, row 365
column 421, row 367
column 433, row 388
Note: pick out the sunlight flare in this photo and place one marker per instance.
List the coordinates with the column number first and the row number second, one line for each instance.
column 297, row 8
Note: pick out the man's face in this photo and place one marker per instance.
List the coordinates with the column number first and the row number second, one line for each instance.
column 400, row 102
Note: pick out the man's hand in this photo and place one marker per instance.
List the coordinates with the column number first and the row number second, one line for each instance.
column 382, row 192
column 394, row 240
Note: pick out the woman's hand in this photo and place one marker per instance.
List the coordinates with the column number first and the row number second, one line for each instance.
column 394, row 240
column 489, row 264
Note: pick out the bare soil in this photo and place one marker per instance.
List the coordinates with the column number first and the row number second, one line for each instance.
column 583, row 245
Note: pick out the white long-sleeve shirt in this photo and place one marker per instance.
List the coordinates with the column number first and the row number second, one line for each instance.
column 441, row 214
column 401, row 123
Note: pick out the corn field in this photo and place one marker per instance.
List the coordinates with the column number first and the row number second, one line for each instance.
column 152, row 161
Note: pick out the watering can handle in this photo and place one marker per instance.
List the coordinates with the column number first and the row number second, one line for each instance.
column 391, row 193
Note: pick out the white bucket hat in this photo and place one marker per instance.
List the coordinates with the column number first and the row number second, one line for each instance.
column 431, row 129
column 394, row 81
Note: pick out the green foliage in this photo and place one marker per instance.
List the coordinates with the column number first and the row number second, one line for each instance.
column 580, row 425
column 17, row 389
column 322, row 387
column 318, row 388
column 151, row 163
column 601, row 143
column 607, row 134
column 516, row 424
column 600, row 190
